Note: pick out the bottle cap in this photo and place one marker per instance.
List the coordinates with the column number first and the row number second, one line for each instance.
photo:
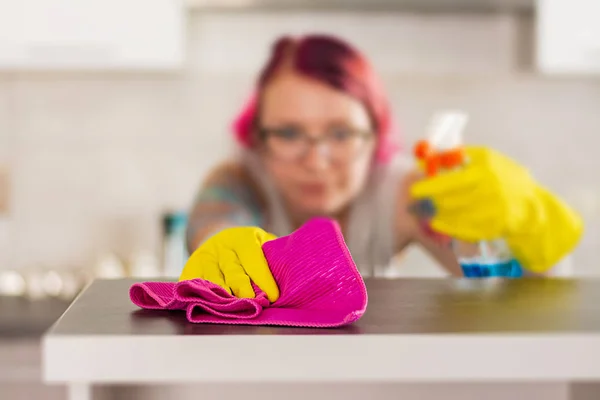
column 174, row 221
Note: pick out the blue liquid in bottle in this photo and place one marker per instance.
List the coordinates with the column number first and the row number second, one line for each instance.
column 487, row 259
column 503, row 269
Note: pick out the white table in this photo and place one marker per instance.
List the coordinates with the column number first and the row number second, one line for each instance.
column 415, row 330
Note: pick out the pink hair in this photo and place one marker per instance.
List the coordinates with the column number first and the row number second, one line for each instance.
column 337, row 64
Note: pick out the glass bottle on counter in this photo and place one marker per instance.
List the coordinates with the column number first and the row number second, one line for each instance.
column 175, row 252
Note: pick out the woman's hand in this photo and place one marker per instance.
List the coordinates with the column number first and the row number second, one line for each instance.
column 494, row 197
column 233, row 259
column 491, row 197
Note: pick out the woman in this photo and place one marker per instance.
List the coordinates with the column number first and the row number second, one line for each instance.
column 318, row 140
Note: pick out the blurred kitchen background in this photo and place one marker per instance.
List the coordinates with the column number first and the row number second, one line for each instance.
column 112, row 112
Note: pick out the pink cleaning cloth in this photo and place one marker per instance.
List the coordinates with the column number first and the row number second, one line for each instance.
column 318, row 282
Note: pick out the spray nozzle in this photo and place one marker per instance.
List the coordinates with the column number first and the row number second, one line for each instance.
column 443, row 147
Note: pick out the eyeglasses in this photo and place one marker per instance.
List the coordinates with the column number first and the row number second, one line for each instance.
column 291, row 144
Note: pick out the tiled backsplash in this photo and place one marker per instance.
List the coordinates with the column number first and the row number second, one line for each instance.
column 95, row 158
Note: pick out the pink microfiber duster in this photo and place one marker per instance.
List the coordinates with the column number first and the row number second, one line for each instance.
column 318, row 281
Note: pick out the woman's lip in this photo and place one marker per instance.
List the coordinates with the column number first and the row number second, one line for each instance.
column 313, row 187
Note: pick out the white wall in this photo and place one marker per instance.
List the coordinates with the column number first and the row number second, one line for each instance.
column 96, row 157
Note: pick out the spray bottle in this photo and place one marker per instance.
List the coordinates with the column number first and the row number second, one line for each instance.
column 442, row 152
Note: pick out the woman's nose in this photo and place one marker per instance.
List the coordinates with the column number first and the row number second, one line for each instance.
column 317, row 156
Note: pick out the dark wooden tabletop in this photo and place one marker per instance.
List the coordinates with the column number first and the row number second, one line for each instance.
column 399, row 306
column 23, row 318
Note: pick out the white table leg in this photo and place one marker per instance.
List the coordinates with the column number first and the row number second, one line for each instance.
column 80, row 391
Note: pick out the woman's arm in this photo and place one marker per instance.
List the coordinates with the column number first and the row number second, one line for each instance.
column 440, row 250
column 496, row 197
column 227, row 198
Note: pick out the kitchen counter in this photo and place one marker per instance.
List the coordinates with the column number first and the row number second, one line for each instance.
column 22, row 324
column 22, row 318
column 414, row 330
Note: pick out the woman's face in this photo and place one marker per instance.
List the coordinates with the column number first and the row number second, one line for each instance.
column 318, row 144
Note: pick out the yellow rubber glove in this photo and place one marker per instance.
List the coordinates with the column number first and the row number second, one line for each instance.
column 493, row 197
column 233, row 259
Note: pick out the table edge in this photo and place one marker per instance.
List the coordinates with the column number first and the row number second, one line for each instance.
column 341, row 358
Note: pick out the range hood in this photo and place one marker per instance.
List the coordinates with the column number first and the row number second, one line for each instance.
column 365, row 5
